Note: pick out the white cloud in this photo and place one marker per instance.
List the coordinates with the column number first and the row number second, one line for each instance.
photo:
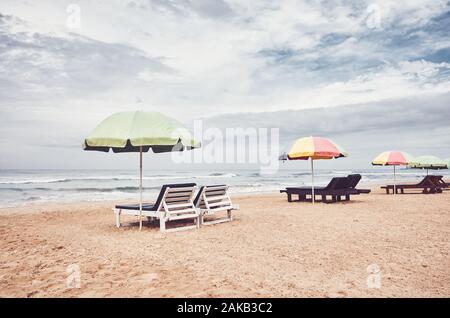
column 201, row 58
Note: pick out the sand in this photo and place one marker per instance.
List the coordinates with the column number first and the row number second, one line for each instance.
column 272, row 249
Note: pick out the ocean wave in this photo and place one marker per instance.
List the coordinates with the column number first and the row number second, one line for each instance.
column 112, row 189
column 117, row 178
column 299, row 174
column 81, row 189
column 222, row 175
column 346, row 172
column 64, row 180
column 28, row 181
column 12, row 189
column 34, row 198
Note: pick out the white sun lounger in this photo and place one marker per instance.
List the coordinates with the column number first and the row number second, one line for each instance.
column 175, row 202
column 214, row 199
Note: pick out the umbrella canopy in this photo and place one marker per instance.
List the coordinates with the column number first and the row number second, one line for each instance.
column 429, row 162
column 315, row 148
column 138, row 131
column 393, row 158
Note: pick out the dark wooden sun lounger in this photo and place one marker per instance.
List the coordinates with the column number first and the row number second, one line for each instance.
column 427, row 185
column 336, row 189
column 339, row 189
column 439, row 181
column 353, row 182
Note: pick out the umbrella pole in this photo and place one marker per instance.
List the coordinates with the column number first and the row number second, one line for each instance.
column 312, row 179
column 140, row 188
column 395, row 182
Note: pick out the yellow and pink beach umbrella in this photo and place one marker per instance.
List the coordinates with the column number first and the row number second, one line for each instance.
column 393, row 158
column 315, row 148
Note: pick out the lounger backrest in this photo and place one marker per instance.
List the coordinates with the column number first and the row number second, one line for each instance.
column 433, row 179
column 426, row 180
column 353, row 180
column 332, row 183
column 437, row 180
column 177, row 203
column 336, row 183
column 198, row 197
column 213, row 197
column 441, row 181
column 342, row 183
column 182, row 186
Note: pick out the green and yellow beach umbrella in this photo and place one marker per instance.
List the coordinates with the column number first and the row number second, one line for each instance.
column 139, row 131
column 393, row 158
column 315, row 148
column 429, row 162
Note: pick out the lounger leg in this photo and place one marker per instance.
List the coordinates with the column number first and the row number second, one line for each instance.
column 289, row 197
column 347, row 197
column 162, row 225
column 117, row 213
column 197, row 222
column 229, row 215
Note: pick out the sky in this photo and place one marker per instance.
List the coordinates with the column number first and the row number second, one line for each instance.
column 371, row 75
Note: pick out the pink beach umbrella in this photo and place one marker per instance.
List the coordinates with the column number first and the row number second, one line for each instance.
column 315, row 148
column 393, row 158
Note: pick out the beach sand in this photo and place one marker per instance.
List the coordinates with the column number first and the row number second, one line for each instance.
column 272, row 249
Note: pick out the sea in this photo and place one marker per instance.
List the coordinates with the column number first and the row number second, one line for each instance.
column 23, row 187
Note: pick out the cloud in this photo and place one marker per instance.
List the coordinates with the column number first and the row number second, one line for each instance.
column 202, row 8
column 194, row 59
column 417, row 113
column 418, row 125
column 257, row 55
column 35, row 64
